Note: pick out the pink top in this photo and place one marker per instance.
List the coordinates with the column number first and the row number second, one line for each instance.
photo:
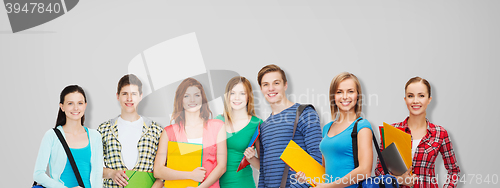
column 210, row 132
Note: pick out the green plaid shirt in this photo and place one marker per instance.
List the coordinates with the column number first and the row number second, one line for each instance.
column 147, row 146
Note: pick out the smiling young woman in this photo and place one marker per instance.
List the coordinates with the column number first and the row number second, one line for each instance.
column 85, row 144
column 428, row 140
column 336, row 146
column 241, row 123
column 193, row 125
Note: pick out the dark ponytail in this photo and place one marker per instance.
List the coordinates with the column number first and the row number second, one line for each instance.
column 61, row 116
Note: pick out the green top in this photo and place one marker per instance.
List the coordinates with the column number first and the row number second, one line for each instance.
column 237, row 143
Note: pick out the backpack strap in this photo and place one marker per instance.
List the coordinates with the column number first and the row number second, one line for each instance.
column 354, row 136
column 300, row 109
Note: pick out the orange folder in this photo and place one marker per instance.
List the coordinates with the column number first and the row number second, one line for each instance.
column 381, row 131
column 402, row 140
column 183, row 156
column 299, row 160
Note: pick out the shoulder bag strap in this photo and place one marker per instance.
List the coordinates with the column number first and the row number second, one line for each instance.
column 300, row 109
column 70, row 157
column 354, row 136
column 382, row 162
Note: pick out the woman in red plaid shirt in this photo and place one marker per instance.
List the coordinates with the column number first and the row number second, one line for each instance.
column 428, row 140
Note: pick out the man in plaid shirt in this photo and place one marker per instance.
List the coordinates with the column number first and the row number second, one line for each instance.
column 129, row 141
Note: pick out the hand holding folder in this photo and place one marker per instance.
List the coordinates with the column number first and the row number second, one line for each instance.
column 183, row 156
column 244, row 162
column 300, row 160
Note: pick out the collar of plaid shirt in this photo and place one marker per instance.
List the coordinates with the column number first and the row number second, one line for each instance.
column 147, row 145
column 430, row 127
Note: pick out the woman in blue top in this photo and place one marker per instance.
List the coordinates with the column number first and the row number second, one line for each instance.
column 336, row 146
column 85, row 145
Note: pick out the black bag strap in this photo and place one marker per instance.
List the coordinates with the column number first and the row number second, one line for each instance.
column 70, row 157
column 354, row 136
column 300, row 109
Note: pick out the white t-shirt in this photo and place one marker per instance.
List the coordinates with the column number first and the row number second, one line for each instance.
column 129, row 134
column 196, row 140
column 414, row 145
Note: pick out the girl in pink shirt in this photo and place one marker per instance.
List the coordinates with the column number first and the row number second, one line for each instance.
column 192, row 124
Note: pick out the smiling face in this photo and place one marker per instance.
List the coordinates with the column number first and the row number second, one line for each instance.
column 273, row 88
column 74, row 106
column 417, row 98
column 192, row 100
column 238, row 97
column 129, row 98
column 346, row 95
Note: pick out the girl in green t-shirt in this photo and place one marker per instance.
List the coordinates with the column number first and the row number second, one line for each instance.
column 241, row 123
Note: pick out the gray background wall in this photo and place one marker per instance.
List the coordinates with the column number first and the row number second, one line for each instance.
column 451, row 43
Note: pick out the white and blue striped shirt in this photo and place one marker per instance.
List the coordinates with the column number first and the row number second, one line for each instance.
column 276, row 132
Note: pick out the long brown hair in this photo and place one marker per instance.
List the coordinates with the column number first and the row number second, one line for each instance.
column 333, row 90
column 179, row 114
column 228, row 112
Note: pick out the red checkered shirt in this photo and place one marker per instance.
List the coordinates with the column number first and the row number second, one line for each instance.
column 434, row 142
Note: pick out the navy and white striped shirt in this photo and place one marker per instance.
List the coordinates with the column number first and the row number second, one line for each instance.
column 276, row 132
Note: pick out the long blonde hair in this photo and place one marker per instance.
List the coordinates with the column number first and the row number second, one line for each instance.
column 333, row 89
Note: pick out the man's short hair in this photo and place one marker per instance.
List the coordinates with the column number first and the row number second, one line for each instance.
column 129, row 79
column 268, row 69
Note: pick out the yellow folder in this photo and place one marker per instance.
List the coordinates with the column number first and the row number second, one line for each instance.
column 300, row 160
column 183, row 156
column 402, row 141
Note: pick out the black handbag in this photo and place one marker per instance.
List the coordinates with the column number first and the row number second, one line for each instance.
column 70, row 158
column 381, row 181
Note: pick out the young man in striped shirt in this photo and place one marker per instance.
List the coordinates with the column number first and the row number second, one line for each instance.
column 277, row 130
